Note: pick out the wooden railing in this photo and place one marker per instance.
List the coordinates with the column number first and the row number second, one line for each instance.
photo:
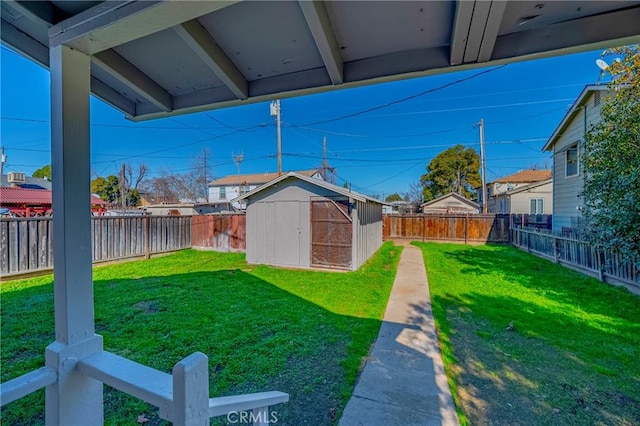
column 26, row 244
column 584, row 256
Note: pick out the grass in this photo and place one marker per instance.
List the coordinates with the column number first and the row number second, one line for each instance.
column 571, row 358
column 301, row 332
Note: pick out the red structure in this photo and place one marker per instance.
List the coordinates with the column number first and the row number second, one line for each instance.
column 36, row 202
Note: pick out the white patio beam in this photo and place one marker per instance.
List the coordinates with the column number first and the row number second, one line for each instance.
column 315, row 14
column 74, row 398
column 476, row 30
column 208, row 50
column 113, row 23
column 491, row 30
column 121, row 69
column 460, row 33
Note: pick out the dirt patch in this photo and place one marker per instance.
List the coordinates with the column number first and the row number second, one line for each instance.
column 500, row 384
column 148, row 307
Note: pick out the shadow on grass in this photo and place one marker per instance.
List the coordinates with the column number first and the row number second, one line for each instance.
column 571, row 357
column 257, row 336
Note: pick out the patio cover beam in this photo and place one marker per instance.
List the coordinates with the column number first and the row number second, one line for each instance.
column 208, row 50
column 315, row 14
column 113, row 23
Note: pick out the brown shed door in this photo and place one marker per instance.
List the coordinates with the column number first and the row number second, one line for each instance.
column 331, row 234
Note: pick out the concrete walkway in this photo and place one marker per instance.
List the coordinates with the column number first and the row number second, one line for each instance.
column 403, row 381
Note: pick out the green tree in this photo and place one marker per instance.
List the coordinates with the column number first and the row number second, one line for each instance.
column 43, row 172
column 393, row 197
column 611, row 159
column 453, row 170
column 107, row 189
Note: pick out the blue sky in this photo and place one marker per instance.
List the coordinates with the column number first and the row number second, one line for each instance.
column 379, row 152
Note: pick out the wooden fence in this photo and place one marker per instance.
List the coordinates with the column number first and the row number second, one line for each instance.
column 26, row 245
column 447, row 227
column 221, row 232
column 583, row 256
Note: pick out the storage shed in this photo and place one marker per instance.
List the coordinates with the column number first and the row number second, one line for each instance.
column 302, row 222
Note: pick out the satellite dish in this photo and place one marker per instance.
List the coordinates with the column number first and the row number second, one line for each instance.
column 602, row 64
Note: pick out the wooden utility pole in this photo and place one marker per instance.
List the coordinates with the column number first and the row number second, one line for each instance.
column 483, row 162
column 123, row 191
column 324, row 158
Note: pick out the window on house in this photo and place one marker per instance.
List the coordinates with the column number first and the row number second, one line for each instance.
column 536, row 206
column 223, row 193
column 572, row 161
column 244, row 189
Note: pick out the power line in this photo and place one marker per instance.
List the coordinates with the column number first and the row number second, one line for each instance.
column 417, row 95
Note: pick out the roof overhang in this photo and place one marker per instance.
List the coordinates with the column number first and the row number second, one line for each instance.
column 152, row 59
column 571, row 113
column 452, row 195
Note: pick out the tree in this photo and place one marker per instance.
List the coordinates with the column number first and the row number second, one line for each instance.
column 43, row 172
column 107, row 189
column 112, row 188
column 611, row 160
column 393, row 197
column 453, row 170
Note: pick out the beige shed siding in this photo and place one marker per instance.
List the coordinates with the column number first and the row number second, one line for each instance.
column 567, row 190
column 521, row 201
column 367, row 231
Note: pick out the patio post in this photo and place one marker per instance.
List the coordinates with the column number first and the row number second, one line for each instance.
column 74, row 399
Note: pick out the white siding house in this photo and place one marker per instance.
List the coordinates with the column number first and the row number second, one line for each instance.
column 230, row 187
column 451, row 203
column 498, row 198
column 567, row 144
column 535, row 198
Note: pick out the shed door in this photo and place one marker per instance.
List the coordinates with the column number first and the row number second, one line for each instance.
column 331, row 234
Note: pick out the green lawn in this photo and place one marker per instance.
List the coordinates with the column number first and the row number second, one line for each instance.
column 572, row 357
column 301, row 332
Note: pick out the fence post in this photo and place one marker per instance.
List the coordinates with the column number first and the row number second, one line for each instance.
column 466, row 229
column 556, row 251
column 191, row 391
column 424, row 229
column 147, row 235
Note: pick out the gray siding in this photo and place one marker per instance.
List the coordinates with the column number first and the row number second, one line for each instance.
column 367, row 232
column 567, row 200
column 279, row 225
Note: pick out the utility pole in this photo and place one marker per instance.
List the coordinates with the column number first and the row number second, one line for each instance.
column 324, row 158
column 483, row 162
column 123, row 200
column 275, row 112
column 204, row 172
column 3, row 159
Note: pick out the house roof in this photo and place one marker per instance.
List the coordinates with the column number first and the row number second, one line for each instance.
column 255, row 179
column 153, row 59
column 530, row 186
column 10, row 195
column 451, row 195
column 525, row 176
column 30, row 182
column 569, row 116
column 317, row 182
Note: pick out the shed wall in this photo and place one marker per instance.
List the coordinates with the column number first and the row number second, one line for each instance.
column 367, row 231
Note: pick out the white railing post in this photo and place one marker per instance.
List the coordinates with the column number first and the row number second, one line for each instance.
column 74, row 399
column 191, row 391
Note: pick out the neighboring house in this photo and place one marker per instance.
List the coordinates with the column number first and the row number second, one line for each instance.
column 35, row 202
column 230, row 187
column 535, row 198
column 400, row 207
column 567, row 145
column 299, row 221
column 20, row 180
column 497, row 191
column 451, row 203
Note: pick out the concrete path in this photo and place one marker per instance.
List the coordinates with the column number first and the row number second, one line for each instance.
column 403, row 381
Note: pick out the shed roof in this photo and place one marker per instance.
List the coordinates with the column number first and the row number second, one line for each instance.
column 9, row 195
column 571, row 113
column 451, row 195
column 317, row 182
column 153, row 59
column 253, row 179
